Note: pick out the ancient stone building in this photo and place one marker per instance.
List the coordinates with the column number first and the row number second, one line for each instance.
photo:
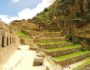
column 8, row 43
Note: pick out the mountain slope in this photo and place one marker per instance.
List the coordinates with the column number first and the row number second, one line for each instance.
column 62, row 11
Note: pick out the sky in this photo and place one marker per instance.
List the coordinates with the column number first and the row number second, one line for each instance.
column 21, row 9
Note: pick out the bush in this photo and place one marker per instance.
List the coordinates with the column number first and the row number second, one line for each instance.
column 69, row 37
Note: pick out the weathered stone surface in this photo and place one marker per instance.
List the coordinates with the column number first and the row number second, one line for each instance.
column 7, row 44
column 38, row 61
column 47, row 68
column 41, row 54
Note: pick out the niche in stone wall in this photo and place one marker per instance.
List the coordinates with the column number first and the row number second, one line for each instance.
column 3, row 42
column 7, row 41
column 10, row 40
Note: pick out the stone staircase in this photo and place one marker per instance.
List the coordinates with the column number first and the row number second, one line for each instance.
column 61, row 51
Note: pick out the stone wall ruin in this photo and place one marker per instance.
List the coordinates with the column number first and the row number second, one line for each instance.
column 8, row 44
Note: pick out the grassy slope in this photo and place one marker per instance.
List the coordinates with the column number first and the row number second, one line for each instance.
column 22, row 35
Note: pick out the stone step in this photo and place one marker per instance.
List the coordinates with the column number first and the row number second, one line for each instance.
column 72, row 58
column 63, row 50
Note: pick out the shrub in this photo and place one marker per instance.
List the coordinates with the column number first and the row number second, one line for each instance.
column 69, row 37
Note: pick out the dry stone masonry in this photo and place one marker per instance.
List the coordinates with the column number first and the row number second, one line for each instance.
column 8, row 44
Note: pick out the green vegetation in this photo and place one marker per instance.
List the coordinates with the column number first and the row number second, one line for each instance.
column 49, row 42
column 61, row 11
column 63, row 48
column 75, row 54
column 86, row 62
column 23, row 35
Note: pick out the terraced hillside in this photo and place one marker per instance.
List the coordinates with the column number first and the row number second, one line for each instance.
column 61, row 51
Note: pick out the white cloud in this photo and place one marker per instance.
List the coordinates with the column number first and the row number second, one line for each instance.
column 27, row 13
column 15, row 1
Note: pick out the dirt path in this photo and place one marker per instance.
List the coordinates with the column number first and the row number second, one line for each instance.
column 23, row 59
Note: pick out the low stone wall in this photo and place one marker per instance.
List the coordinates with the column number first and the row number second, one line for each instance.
column 73, row 60
column 54, row 45
column 63, row 52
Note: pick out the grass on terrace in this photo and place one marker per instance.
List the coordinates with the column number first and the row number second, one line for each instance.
column 63, row 48
column 86, row 62
column 75, row 54
column 44, row 42
column 23, row 35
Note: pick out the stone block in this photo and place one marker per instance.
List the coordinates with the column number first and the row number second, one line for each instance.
column 41, row 54
column 38, row 61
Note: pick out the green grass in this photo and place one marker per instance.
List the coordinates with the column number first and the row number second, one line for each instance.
column 63, row 48
column 22, row 35
column 75, row 54
column 86, row 62
column 50, row 42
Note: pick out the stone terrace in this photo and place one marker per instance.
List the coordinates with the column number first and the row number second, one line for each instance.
column 61, row 51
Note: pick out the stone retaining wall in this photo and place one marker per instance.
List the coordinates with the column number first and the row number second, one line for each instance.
column 73, row 60
column 63, row 52
column 54, row 45
column 58, row 34
column 51, row 40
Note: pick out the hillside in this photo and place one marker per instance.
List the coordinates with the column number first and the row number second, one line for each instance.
column 70, row 17
column 62, row 12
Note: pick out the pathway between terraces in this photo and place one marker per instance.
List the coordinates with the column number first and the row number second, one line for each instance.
column 23, row 59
